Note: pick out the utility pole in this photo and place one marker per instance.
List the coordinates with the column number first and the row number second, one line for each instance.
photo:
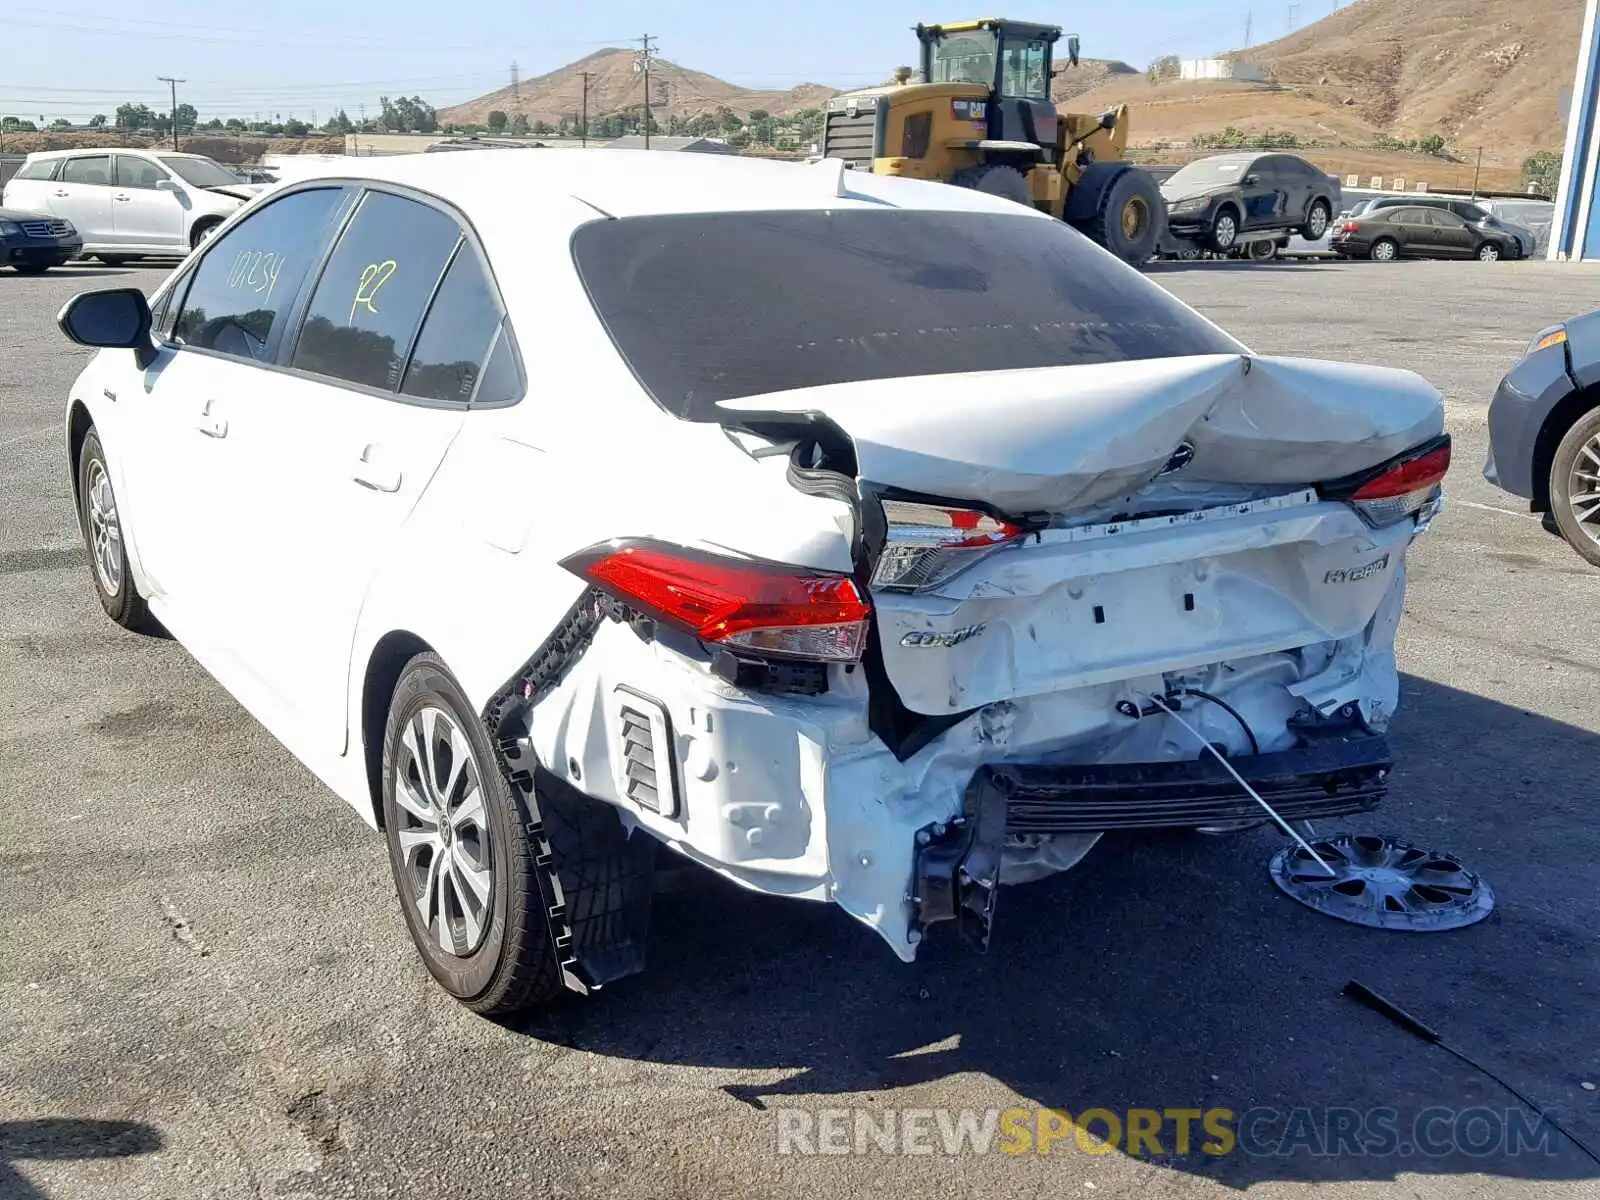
column 1476, row 171
column 168, row 79
column 584, row 127
column 515, row 81
column 644, row 65
column 1249, row 16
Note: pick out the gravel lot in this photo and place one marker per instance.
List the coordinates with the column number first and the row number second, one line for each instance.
column 208, row 991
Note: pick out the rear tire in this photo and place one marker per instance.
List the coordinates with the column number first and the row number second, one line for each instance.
column 1572, row 497
column 101, row 525
column 1261, row 251
column 1118, row 206
column 30, row 268
column 1007, row 183
column 1384, row 250
column 500, row 958
column 1316, row 222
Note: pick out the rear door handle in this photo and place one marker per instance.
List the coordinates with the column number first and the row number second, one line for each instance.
column 61, row 194
column 123, row 199
column 373, row 472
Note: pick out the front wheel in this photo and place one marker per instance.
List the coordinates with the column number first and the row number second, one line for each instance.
column 102, row 535
column 1224, row 230
column 1118, row 206
column 201, row 233
column 1384, row 250
column 1575, row 487
column 30, row 268
column 1488, row 252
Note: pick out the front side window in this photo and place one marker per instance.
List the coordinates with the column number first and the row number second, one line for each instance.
column 251, row 274
column 200, row 172
column 138, row 173
column 707, row 308
column 379, row 280
column 965, row 58
column 1024, row 77
column 94, row 170
column 457, row 335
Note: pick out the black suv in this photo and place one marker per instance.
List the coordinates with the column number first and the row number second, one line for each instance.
column 1218, row 198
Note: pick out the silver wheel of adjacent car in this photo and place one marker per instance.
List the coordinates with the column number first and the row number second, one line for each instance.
column 1488, row 252
column 1583, row 489
column 444, row 838
column 105, row 531
column 1385, row 250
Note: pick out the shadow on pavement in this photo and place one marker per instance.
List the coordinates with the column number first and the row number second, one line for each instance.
column 1171, row 974
column 62, row 1139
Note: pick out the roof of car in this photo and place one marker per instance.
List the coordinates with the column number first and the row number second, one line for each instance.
column 97, row 150
column 639, row 182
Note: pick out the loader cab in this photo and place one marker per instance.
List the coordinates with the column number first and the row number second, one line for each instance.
column 1013, row 59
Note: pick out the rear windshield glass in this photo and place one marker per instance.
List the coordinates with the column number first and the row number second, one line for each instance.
column 707, row 308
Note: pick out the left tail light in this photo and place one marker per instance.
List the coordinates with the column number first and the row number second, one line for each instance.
column 928, row 543
column 765, row 608
column 1397, row 489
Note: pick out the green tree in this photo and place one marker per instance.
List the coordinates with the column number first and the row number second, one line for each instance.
column 1543, row 171
column 61, row 123
column 519, row 125
column 498, row 121
column 98, row 121
column 295, row 127
column 17, row 125
column 538, row 128
column 339, row 123
column 213, row 124
column 134, row 117
column 234, row 124
column 758, row 115
column 188, row 118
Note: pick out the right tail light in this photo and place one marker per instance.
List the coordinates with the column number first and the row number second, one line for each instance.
column 1397, row 489
column 929, row 543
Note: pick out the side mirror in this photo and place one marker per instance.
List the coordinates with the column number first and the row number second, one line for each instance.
column 115, row 319
column 1252, row 178
column 1072, row 48
column 167, row 185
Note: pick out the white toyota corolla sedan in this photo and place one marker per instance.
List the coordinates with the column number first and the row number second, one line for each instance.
column 863, row 540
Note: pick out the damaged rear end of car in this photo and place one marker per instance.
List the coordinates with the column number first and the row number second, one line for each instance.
column 1073, row 547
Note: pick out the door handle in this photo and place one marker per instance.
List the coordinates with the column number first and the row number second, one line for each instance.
column 61, row 194
column 122, row 199
column 209, row 423
column 373, row 473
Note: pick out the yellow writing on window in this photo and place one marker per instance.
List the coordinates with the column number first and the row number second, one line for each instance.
column 373, row 277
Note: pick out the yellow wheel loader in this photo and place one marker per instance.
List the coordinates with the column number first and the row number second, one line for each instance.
column 982, row 118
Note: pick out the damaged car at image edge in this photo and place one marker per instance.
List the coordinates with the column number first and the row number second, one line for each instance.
column 860, row 539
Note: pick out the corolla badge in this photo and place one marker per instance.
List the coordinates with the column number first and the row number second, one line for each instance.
column 954, row 638
column 1181, row 458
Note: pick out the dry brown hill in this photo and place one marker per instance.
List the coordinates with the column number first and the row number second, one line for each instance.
column 615, row 87
column 1475, row 72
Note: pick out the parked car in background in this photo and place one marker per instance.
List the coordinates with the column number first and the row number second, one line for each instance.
column 130, row 203
column 1417, row 231
column 31, row 243
column 1544, row 431
column 1220, row 197
column 477, row 425
column 1469, row 211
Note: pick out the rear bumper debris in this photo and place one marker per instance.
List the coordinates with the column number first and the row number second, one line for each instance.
column 957, row 863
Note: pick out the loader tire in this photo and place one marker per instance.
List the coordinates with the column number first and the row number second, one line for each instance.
column 1007, row 183
column 1118, row 206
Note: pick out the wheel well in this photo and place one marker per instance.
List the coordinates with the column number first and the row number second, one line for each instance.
column 1560, row 419
column 199, row 227
column 78, row 426
column 389, row 657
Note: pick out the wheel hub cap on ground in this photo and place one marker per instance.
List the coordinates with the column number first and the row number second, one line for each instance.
column 444, row 835
column 105, row 531
column 1384, row 883
column 1583, row 488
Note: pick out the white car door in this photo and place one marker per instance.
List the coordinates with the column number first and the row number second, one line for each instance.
column 350, row 437
column 188, row 446
column 143, row 214
column 82, row 194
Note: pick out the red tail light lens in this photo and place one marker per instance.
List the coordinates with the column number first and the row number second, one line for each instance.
column 1400, row 488
column 929, row 543
column 767, row 608
column 1349, row 227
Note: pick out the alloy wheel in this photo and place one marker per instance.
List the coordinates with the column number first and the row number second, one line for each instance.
column 1384, row 252
column 1583, row 488
column 1318, row 225
column 444, row 835
column 1227, row 230
column 105, row 530
column 1488, row 253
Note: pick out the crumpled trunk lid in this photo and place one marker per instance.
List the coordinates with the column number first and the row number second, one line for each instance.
column 1098, row 593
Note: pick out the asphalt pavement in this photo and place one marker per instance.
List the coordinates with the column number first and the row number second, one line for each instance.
column 207, row 988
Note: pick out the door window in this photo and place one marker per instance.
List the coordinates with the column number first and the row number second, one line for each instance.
column 379, row 280
column 1023, row 77
column 251, row 274
column 457, row 336
column 43, row 169
column 138, row 173
column 94, row 170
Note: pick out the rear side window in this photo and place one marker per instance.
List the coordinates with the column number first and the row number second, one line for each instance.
column 457, row 335
column 93, row 170
column 379, row 280
column 707, row 308
column 251, row 274
column 44, row 169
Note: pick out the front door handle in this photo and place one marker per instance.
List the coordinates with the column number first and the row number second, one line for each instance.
column 372, row 472
column 209, row 423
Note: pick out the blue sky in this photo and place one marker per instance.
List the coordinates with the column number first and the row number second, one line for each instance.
column 301, row 57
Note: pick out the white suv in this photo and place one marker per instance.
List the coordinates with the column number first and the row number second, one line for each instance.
column 130, row 203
